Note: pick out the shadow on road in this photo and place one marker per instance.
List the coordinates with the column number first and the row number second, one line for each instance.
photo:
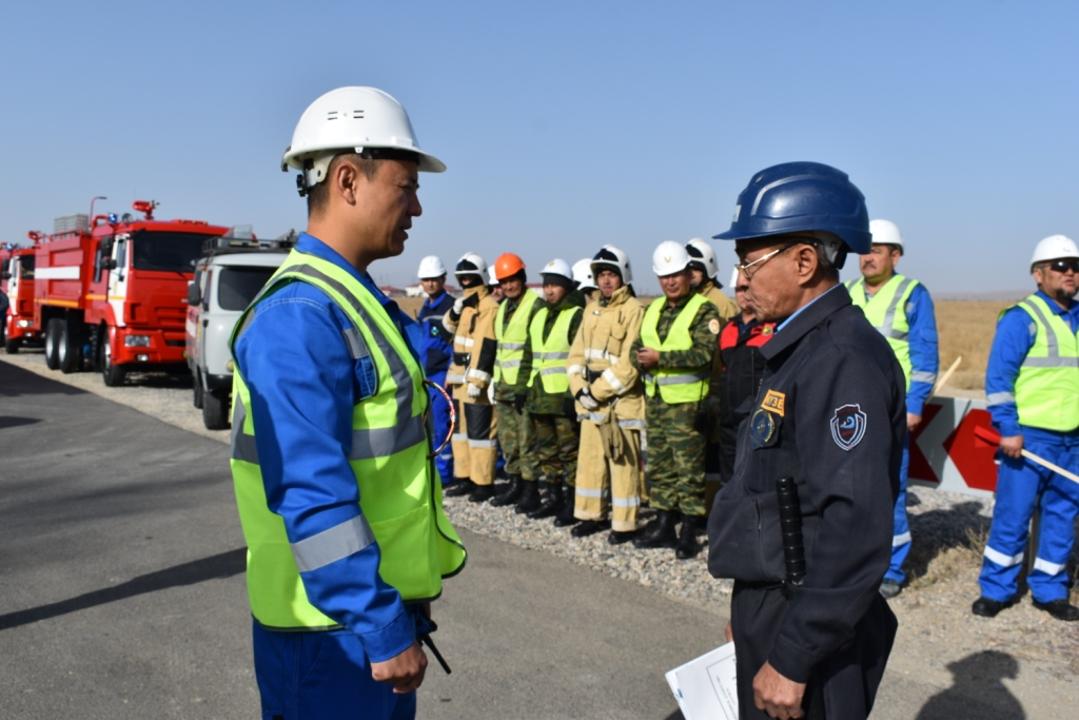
column 977, row 690
column 939, row 530
column 15, row 381
column 10, row 421
column 223, row 565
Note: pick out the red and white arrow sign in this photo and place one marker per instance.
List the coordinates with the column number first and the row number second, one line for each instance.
column 946, row 454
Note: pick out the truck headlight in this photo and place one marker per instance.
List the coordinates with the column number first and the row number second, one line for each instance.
column 23, row 323
column 137, row 341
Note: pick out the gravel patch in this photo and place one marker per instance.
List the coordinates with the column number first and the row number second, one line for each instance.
column 934, row 610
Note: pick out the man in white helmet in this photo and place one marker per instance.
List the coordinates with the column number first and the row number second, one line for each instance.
column 901, row 310
column 674, row 356
column 472, row 320
column 1032, row 385
column 330, row 453
column 610, row 403
column 437, row 353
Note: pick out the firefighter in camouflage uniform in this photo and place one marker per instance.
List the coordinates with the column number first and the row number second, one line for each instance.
column 555, row 430
column 674, row 354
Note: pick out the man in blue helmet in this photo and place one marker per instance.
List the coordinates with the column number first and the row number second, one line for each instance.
column 811, row 631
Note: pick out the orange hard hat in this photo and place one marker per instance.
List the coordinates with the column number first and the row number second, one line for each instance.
column 507, row 265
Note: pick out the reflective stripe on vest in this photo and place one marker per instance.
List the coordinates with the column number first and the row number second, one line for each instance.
column 674, row 386
column 1048, row 382
column 511, row 338
column 549, row 356
column 886, row 311
column 400, row 503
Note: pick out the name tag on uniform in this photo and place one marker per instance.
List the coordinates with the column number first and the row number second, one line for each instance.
column 774, row 401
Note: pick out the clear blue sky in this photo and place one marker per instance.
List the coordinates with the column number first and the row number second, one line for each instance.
column 565, row 125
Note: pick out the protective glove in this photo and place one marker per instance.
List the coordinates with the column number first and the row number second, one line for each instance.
column 474, row 391
column 585, row 398
column 458, row 306
column 519, row 402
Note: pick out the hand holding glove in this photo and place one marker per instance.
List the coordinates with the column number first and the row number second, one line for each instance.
column 474, row 391
column 585, row 398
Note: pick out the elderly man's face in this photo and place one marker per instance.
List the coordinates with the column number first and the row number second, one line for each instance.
column 878, row 265
column 675, row 285
column 769, row 270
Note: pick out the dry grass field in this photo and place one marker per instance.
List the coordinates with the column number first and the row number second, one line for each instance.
column 965, row 326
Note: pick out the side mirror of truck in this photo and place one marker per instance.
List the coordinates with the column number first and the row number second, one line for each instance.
column 194, row 297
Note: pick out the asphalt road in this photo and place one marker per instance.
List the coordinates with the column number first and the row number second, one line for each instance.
column 122, row 590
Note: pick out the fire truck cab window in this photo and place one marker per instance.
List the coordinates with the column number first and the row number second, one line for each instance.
column 26, row 262
column 166, row 251
column 237, row 286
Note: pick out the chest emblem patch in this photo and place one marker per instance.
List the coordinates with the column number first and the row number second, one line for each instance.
column 848, row 426
column 762, row 428
column 774, row 401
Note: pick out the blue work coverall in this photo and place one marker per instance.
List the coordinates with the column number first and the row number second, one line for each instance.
column 1020, row 483
column 436, row 356
column 304, row 384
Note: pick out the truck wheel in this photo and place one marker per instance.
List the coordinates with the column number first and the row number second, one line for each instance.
column 113, row 375
column 197, row 393
column 215, row 410
column 68, row 354
column 53, row 328
column 12, row 346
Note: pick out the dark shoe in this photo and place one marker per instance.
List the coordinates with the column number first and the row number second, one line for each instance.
column 481, row 493
column 617, row 537
column 460, row 486
column 589, row 527
column 510, row 495
column 565, row 517
column 687, row 539
column 552, row 503
column 984, row 607
column 1060, row 609
column 890, row 588
column 661, row 534
column 530, row 498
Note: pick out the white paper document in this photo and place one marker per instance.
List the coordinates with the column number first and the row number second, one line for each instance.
column 705, row 688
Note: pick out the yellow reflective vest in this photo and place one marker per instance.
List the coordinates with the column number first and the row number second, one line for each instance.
column 674, row 386
column 512, row 337
column 549, row 356
column 886, row 311
column 1048, row 382
column 400, row 498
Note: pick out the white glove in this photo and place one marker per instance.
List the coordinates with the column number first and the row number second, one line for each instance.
column 458, row 306
column 474, row 391
column 587, row 401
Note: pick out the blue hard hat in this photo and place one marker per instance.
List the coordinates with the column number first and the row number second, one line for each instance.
column 801, row 197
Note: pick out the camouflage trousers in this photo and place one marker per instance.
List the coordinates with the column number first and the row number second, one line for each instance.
column 554, row 447
column 515, row 438
column 675, row 457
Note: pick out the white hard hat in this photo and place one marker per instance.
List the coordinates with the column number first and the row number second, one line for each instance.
column 582, row 274
column 1054, row 247
column 886, row 232
column 611, row 257
column 669, row 257
column 701, row 252
column 431, row 267
column 471, row 264
column 350, row 119
column 558, row 266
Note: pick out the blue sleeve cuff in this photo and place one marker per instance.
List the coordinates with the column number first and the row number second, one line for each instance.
column 392, row 640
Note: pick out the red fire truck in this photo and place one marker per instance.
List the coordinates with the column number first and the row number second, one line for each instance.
column 111, row 292
column 17, row 284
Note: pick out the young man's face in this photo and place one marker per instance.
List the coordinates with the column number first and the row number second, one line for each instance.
column 675, row 285
column 553, row 293
column 385, row 206
column 608, row 281
column 433, row 286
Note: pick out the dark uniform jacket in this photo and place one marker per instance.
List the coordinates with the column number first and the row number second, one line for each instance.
column 830, row 413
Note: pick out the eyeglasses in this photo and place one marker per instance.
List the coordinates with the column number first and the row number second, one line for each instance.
column 759, row 262
column 1063, row 266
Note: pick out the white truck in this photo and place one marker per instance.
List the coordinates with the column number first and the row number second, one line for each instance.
column 227, row 278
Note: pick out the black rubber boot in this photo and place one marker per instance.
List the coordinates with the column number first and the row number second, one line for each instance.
column 565, row 517
column 589, row 527
column 459, row 486
column 481, row 493
column 661, row 533
column 511, row 494
column 617, row 537
column 552, row 502
column 687, row 538
column 530, row 498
